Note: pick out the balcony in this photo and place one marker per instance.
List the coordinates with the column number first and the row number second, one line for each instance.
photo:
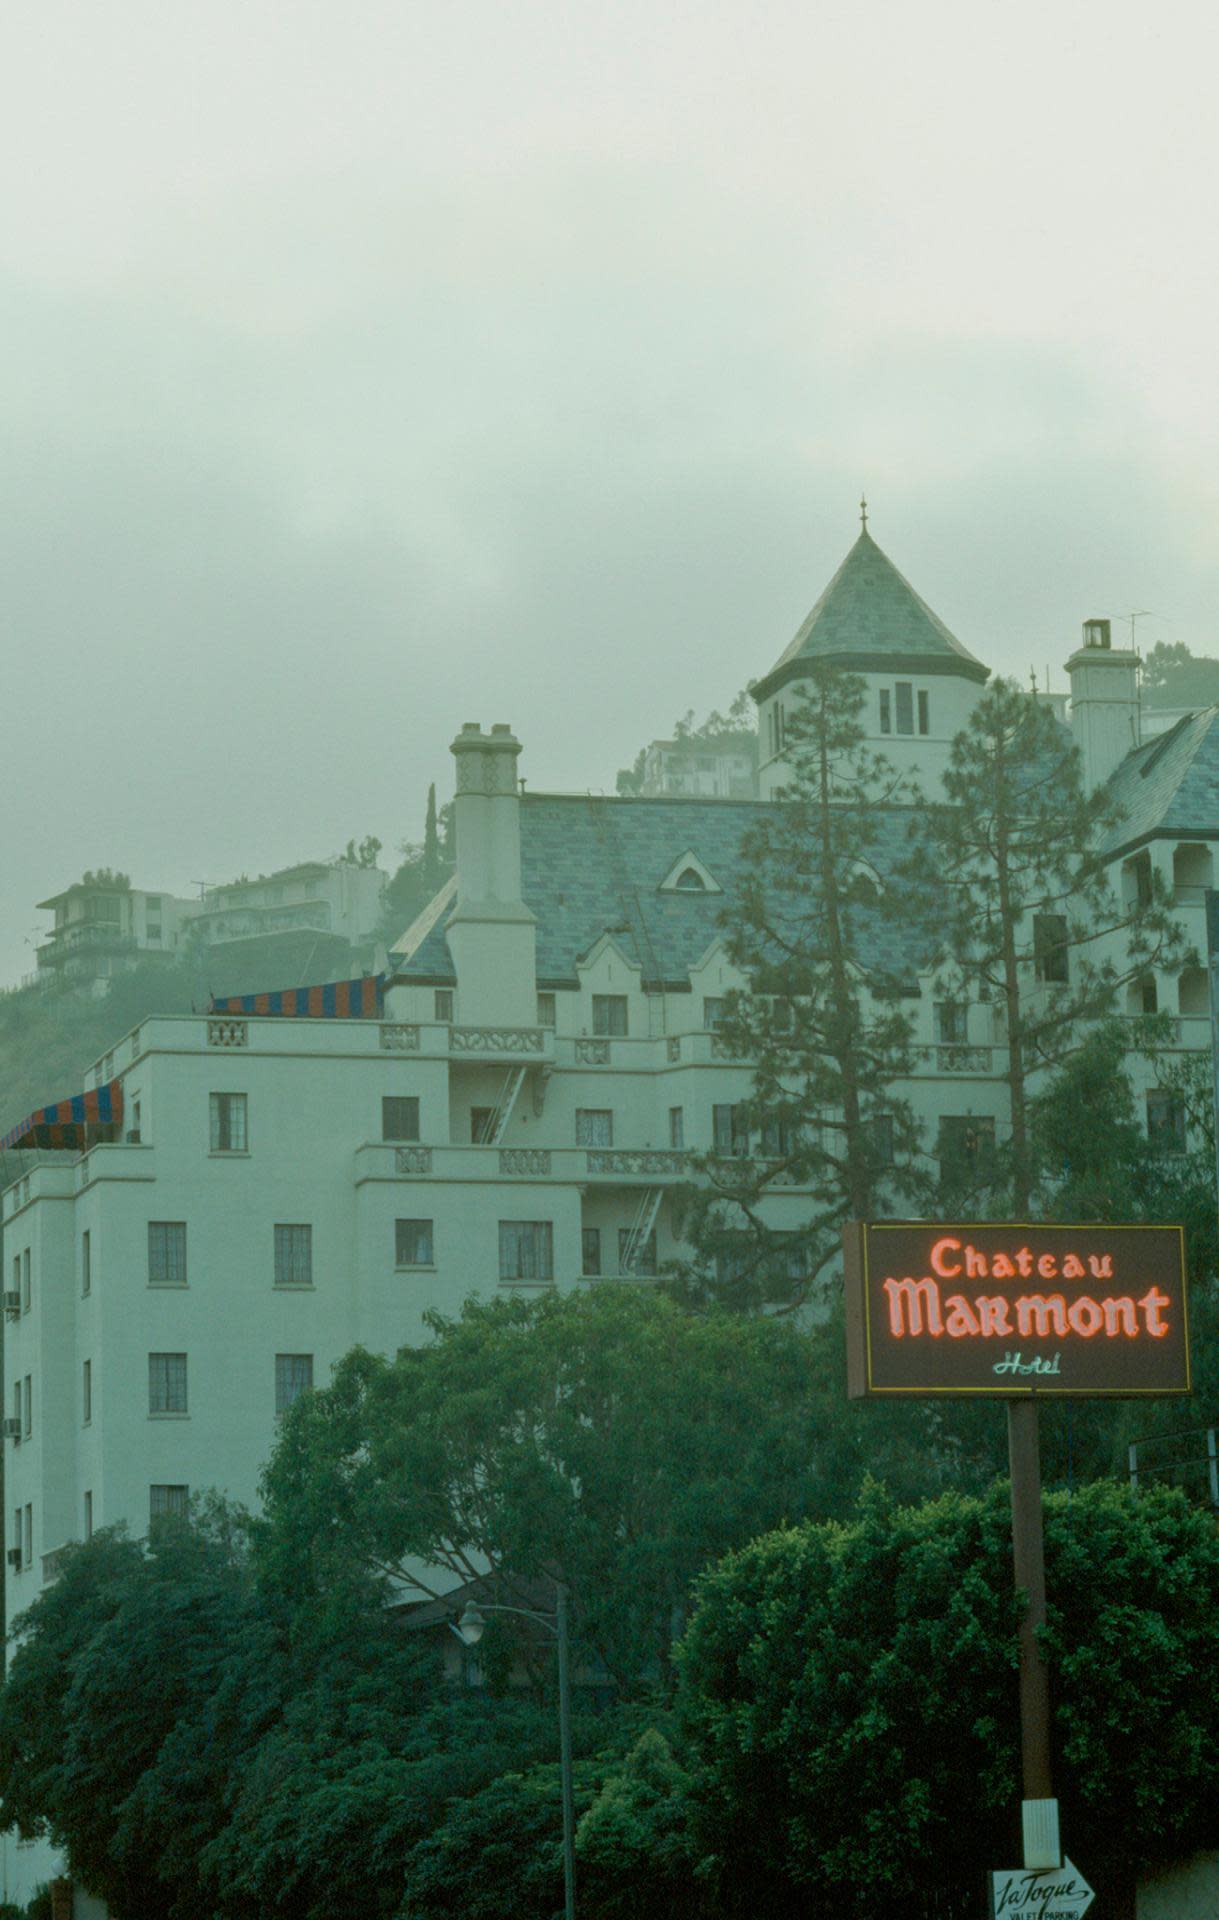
column 958, row 1059
column 82, row 938
column 561, row 1166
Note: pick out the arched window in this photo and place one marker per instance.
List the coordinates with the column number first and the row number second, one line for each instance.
column 688, row 881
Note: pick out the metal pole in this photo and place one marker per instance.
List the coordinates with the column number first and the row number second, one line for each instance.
column 1028, row 1551
column 569, row 1813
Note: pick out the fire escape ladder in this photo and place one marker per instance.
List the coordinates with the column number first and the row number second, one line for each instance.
column 513, row 1083
column 641, row 1227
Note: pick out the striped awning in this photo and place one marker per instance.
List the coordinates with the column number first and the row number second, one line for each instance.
column 66, row 1123
column 337, row 1000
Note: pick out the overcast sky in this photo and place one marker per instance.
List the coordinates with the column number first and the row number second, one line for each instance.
column 372, row 368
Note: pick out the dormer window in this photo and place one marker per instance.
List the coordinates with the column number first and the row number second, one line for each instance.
column 690, row 875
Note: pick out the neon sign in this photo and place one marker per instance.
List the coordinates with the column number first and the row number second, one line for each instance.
column 1012, row 1310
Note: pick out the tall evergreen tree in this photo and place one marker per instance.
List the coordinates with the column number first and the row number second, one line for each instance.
column 819, row 1020
column 1030, row 923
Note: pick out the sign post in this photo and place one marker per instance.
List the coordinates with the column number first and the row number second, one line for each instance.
column 1014, row 1311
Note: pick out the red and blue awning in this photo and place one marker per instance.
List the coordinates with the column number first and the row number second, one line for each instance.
column 66, row 1124
column 338, row 1000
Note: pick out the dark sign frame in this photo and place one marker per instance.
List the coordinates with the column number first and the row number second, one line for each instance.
column 1010, row 1310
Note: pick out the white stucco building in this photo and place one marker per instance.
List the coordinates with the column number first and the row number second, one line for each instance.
column 542, row 1055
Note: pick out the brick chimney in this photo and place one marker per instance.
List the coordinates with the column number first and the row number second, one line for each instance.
column 491, row 932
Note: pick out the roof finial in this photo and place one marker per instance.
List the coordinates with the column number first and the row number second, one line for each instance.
column 863, row 513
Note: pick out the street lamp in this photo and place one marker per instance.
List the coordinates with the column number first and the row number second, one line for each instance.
column 469, row 1630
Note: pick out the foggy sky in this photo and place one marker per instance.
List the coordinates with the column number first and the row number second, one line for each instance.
column 372, row 368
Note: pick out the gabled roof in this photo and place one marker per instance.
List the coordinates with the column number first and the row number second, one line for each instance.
column 592, row 864
column 1169, row 785
column 871, row 620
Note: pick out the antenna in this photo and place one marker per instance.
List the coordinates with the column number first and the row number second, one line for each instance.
column 1138, row 613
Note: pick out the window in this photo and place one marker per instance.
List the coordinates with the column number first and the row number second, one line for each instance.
column 966, row 1143
column 546, row 1009
column 714, row 1011
column 229, row 1132
column 442, row 1003
column 690, row 881
column 526, row 1250
column 168, row 1502
column 905, row 706
column 594, row 1127
column 886, row 711
column 293, row 1255
column 400, row 1117
column 26, row 1294
column 167, row 1383
column 133, row 1132
column 29, row 1407
column 86, row 1391
column 924, row 713
column 590, row 1250
column 86, row 1263
column 413, row 1243
column 778, row 1136
column 879, row 1134
column 482, row 1122
column 645, row 1252
column 609, row 1013
column 167, row 1253
column 293, row 1376
column 1051, row 956
column 1165, row 1125
column 17, row 1528
column 677, row 1128
column 951, row 1023
column 27, row 1537
column 88, row 1514
column 17, row 1403
column 729, row 1130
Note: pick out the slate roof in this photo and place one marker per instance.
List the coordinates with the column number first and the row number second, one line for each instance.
column 870, row 619
column 1170, row 785
column 592, row 864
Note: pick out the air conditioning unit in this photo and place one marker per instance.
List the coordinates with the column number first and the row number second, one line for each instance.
column 12, row 1428
column 13, row 1556
column 12, row 1305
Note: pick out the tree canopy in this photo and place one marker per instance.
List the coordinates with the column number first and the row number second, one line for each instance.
column 607, row 1440
column 849, row 1696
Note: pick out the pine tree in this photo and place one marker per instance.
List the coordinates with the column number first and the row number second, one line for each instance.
column 1030, row 923
column 819, row 1020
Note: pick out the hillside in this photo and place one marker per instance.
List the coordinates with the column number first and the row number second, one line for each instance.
column 50, row 1034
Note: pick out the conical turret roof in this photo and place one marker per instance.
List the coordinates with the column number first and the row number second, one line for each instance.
column 870, row 620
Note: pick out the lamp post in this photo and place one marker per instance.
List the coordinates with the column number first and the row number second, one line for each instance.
column 469, row 1631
